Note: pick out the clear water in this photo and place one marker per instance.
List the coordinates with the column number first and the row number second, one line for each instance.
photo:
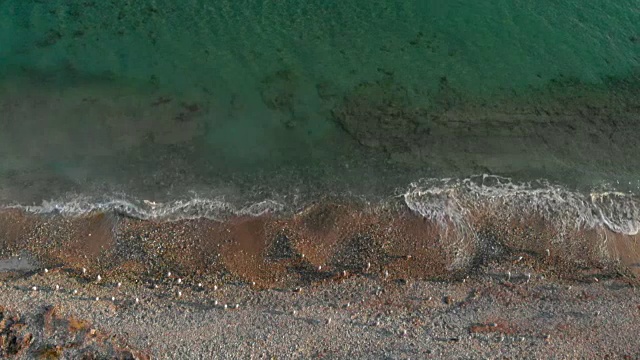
column 284, row 101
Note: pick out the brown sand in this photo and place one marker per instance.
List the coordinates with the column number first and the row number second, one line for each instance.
column 375, row 273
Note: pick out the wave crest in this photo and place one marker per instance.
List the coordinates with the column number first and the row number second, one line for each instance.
column 453, row 200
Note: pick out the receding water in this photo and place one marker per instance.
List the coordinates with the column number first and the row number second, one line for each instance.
column 242, row 102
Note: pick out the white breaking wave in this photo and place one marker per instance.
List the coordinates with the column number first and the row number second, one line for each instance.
column 448, row 201
column 451, row 200
column 195, row 208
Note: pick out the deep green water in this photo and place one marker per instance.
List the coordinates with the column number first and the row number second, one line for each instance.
column 249, row 98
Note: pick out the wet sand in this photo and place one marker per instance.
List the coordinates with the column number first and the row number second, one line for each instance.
column 335, row 280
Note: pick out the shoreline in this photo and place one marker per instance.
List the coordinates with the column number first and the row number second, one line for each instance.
column 325, row 241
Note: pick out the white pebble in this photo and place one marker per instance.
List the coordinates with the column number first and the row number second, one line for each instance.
column 113, row 298
column 179, row 281
column 179, row 293
column 35, row 288
column 84, row 271
column 328, row 321
column 225, row 306
column 137, row 300
column 75, row 291
column 57, row 287
column 169, row 274
column 319, row 267
column 386, row 274
column 97, row 298
column 215, row 302
column 199, row 284
column 46, row 270
column 236, row 306
column 119, row 284
column 215, row 287
column 99, row 278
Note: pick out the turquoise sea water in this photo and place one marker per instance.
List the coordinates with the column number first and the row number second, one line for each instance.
column 254, row 100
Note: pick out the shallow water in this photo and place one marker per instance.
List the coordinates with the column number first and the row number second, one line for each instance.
column 219, row 107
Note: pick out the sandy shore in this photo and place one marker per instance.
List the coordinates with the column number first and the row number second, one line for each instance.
column 334, row 281
column 489, row 315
